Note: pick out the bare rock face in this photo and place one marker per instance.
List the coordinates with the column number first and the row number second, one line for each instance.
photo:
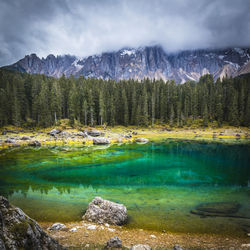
column 139, row 63
column 18, row 231
column 101, row 141
column 104, row 211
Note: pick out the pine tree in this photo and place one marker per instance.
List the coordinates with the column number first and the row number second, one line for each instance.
column 205, row 116
column 101, row 108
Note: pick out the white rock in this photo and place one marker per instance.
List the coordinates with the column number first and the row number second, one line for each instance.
column 87, row 245
column 140, row 247
column 74, row 229
column 153, row 236
column 104, row 211
column 111, row 229
column 246, row 245
column 92, row 227
column 106, row 225
column 102, row 227
column 142, row 140
column 56, row 226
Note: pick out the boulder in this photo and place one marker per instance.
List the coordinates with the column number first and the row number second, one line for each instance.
column 177, row 247
column 101, row 141
column 114, row 242
column 140, row 247
column 18, row 231
column 8, row 140
column 4, row 132
column 54, row 132
column 56, row 226
column 104, row 211
column 128, row 136
column 144, row 140
column 83, row 134
column 25, row 138
column 94, row 133
column 12, row 131
column 35, row 144
column 64, row 134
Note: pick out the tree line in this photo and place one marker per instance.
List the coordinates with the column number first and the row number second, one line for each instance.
column 37, row 100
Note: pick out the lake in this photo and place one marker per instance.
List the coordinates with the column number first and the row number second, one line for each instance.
column 158, row 182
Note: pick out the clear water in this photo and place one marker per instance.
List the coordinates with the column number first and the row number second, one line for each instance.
column 159, row 182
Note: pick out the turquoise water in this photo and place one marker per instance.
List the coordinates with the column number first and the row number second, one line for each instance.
column 159, row 182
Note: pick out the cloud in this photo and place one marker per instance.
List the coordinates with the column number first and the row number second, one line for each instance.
column 89, row 27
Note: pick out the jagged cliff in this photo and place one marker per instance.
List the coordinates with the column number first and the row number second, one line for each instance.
column 152, row 62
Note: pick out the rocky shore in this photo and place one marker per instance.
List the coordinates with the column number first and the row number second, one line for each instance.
column 18, row 231
column 15, row 137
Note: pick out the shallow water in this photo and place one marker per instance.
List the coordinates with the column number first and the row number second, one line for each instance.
column 159, row 182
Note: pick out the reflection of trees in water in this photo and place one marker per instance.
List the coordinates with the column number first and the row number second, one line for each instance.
column 215, row 159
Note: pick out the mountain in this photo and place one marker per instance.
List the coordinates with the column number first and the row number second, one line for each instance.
column 152, row 62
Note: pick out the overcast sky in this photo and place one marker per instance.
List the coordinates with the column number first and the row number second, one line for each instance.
column 89, row 27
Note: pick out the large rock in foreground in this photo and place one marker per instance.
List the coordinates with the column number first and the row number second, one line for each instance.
column 18, row 231
column 104, row 211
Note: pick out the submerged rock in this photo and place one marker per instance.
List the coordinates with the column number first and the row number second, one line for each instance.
column 18, row 231
column 140, row 247
column 114, row 242
column 101, row 141
column 56, row 226
column 104, row 211
column 217, row 209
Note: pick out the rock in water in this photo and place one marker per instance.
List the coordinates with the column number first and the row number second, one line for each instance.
column 140, row 247
column 104, row 211
column 114, row 242
column 101, row 141
column 225, row 209
column 18, row 231
column 219, row 207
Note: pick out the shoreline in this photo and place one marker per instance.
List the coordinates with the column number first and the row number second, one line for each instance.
column 83, row 238
column 19, row 137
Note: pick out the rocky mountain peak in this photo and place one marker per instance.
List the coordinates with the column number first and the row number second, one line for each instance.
column 144, row 62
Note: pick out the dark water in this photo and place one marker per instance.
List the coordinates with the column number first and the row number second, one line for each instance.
column 159, row 182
